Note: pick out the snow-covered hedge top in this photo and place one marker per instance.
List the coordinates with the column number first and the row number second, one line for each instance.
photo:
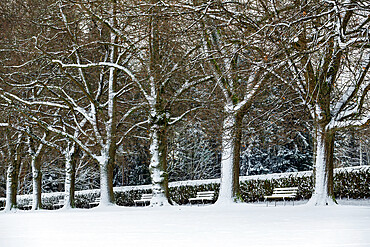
column 202, row 182
column 268, row 176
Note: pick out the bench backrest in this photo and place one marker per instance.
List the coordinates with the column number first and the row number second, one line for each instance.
column 205, row 194
column 146, row 196
column 284, row 191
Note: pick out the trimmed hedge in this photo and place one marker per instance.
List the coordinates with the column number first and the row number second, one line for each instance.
column 352, row 182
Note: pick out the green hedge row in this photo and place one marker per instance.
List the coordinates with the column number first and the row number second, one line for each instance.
column 348, row 183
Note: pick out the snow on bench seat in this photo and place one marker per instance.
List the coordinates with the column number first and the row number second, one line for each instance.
column 28, row 206
column 95, row 202
column 203, row 196
column 144, row 199
column 282, row 193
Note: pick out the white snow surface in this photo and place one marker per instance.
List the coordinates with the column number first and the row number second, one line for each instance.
column 224, row 225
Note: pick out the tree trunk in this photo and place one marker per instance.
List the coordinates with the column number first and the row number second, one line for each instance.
column 230, row 160
column 236, row 161
column 107, row 159
column 323, row 171
column 12, row 185
column 69, row 192
column 227, row 185
column 37, row 182
column 106, row 182
column 13, row 173
column 158, row 165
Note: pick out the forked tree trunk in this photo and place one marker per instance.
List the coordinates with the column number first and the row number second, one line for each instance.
column 323, row 168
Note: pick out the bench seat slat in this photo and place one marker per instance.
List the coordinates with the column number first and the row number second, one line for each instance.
column 203, row 196
column 144, row 198
column 59, row 204
column 287, row 192
column 95, row 202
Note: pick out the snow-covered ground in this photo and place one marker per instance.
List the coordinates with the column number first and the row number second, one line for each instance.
column 232, row 225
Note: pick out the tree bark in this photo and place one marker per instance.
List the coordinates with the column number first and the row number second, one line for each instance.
column 106, row 183
column 237, row 146
column 71, row 159
column 158, row 165
column 12, row 174
column 108, row 154
column 227, row 185
column 323, row 171
column 12, row 184
column 230, row 160
column 37, row 150
column 37, row 181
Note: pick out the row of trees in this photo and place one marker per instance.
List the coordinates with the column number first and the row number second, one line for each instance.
column 95, row 79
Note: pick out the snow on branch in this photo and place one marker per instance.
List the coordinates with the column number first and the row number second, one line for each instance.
column 179, row 118
column 349, row 123
column 109, row 64
column 30, row 103
column 188, row 84
column 136, row 125
column 352, row 90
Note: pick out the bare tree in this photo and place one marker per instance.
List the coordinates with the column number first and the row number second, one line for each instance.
column 230, row 48
column 326, row 46
column 12, row 154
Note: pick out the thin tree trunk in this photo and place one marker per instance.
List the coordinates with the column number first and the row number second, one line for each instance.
column 13, row 173
column 237, row 146
column 69, row 192
column 37, row 182
column 12, row 185
column 37, row 150
column 361, row 159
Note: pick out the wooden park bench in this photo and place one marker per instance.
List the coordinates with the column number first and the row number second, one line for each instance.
column 28, row 206
column 282, row 193
column 59, row 204
column 144, row 199
column 203, row 196
column 95, row 202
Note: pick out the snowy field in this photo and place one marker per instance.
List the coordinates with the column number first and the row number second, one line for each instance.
column 234, row 225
